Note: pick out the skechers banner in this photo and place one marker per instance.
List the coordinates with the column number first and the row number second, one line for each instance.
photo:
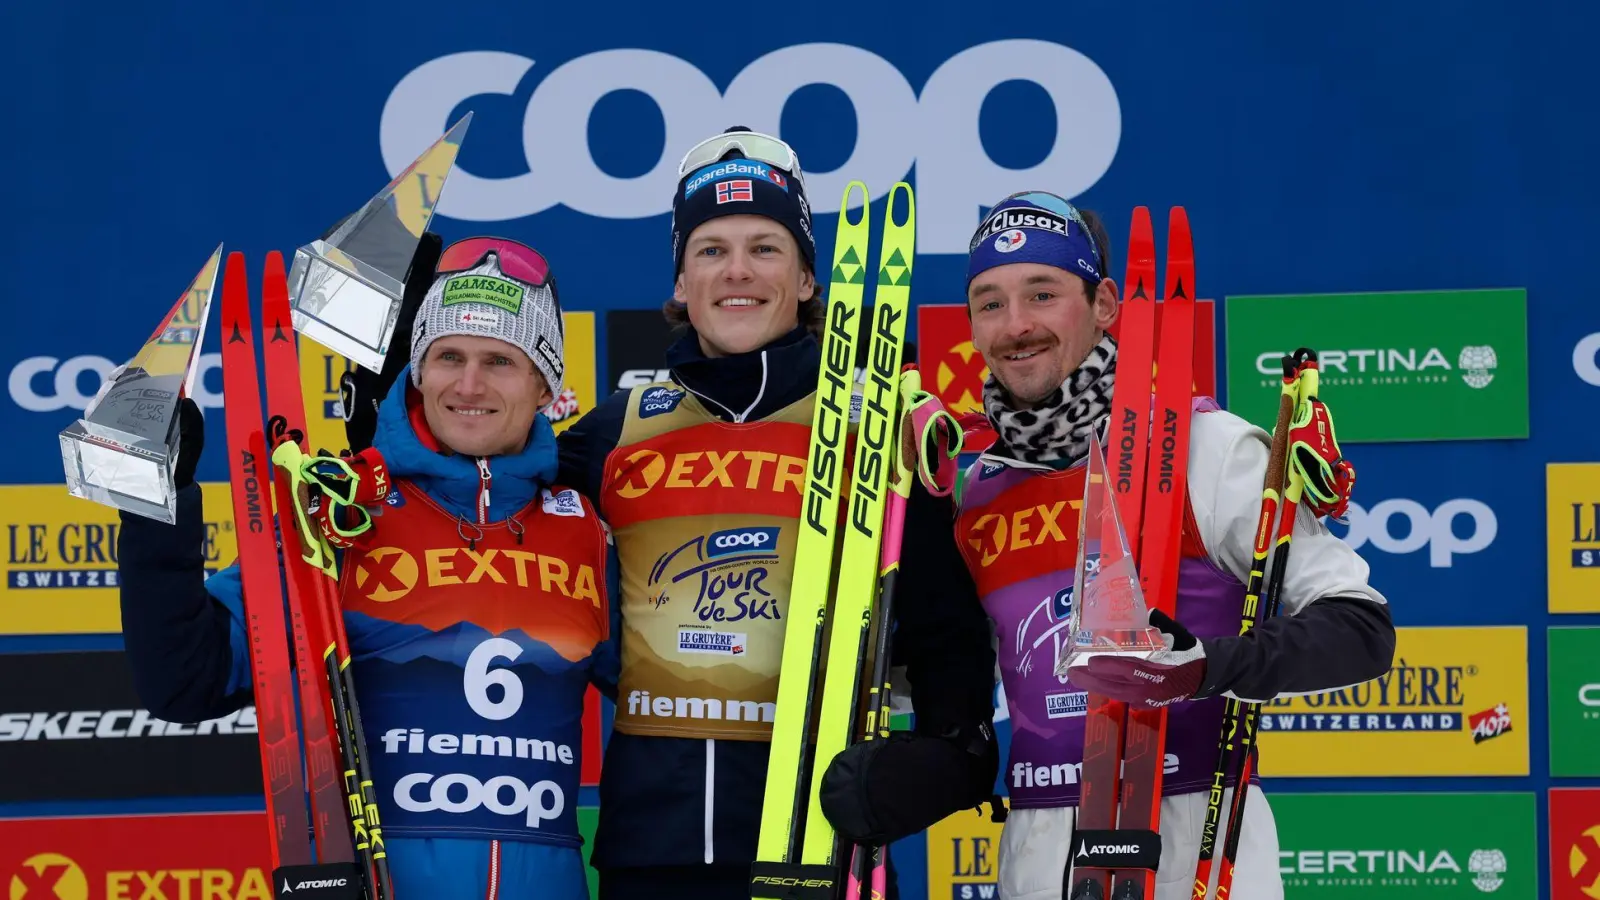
column 72, row 728
column 216, row 856
column 1572, row 536
column 1575, row 843
column 1426, row 845
column 61, row 558
column 1405, row 366
column 1574, row 702
column 1455, row 702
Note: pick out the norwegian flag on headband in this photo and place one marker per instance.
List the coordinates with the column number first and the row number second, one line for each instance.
column 737, row 189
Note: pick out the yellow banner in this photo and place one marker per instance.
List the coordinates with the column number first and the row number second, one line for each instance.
column 964, row 857
column 1455, row 702
column 1572, row 536
column 579, row 396
column 61, row 558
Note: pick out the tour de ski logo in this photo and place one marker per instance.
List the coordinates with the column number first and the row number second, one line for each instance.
column 722, row 577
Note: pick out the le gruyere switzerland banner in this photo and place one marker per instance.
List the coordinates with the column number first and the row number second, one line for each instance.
column 1455, row 702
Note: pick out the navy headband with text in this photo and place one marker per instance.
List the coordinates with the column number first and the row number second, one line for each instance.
column 1036, row 227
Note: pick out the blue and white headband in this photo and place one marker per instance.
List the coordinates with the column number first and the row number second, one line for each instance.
column 1036, row 227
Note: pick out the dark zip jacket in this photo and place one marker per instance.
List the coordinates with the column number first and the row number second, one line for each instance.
column 682, row 801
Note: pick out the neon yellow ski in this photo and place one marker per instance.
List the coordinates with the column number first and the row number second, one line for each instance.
column 777, row 846
column 876, row 447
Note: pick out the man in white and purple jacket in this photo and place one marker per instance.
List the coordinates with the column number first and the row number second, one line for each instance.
column 1040, row 304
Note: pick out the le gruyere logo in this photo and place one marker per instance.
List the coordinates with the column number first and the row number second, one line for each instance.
column 1454, row 702
column 1572, row 539
column 61, row 565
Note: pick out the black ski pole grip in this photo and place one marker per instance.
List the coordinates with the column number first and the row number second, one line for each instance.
column 793, row 881
column 328, row 881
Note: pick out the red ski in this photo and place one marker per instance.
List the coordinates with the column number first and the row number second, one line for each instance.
column 278, row 731
column 1120, row 804
column 315, row 574
column 323, row 868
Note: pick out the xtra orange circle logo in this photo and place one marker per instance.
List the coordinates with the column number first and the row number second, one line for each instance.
column 49, row 876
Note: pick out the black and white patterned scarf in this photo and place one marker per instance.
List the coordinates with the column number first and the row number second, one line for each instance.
column 1055, row 432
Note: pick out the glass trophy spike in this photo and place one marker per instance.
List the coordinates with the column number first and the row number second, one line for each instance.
column 1109, row 613
column 345, row 288
column 123, row 451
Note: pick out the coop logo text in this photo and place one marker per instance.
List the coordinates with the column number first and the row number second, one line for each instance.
column 933, row 129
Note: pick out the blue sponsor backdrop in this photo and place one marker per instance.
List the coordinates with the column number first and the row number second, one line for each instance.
column 1362, row 146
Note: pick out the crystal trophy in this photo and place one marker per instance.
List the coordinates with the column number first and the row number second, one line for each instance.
column 1109, row 615
column 123, row 451
column 345, row 287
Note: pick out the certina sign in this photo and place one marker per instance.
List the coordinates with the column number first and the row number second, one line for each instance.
column 934, row 129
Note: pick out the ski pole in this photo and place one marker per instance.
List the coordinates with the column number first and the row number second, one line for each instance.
column 1273, row 484
column 289, row 456
column 933, row 434
column 1320, row 477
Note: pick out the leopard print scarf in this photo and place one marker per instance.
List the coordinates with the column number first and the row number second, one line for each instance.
column 1056, row 431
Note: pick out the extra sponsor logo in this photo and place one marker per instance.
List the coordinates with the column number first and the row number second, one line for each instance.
column 1575, row 842
column 386, row 574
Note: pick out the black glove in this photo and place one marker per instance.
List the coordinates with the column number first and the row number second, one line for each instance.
column 877, row 792
column 191, row 440
column 360, row 389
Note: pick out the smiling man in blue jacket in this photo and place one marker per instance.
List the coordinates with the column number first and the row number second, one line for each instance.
column 471, row 688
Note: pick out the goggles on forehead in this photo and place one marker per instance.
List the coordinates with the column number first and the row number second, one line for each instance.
column 754, row 145
column 516, row 259
column 1059, row 206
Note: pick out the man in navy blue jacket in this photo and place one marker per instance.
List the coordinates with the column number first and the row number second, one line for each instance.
column 681, row 793
column 477, row 787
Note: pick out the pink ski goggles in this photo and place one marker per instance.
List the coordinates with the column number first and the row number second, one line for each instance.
column 516, row 259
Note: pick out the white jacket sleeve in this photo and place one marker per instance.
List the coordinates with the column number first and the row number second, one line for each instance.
column 1332, row 629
